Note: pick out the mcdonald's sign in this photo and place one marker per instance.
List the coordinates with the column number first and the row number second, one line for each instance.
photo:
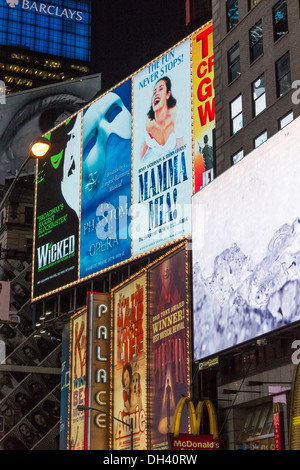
column 195, row 441
column 278, row 426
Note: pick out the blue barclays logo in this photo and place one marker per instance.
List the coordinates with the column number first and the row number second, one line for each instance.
column 51, row 10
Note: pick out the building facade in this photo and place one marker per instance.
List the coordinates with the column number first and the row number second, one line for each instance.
column 255, row 46
column 256, row 73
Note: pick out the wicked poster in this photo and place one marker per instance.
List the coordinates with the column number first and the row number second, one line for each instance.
column 57, row 210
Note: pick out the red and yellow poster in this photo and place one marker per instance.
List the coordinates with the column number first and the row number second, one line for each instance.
column 169, row 326
column 78, row 380
column 129, row 364
column 203, row 105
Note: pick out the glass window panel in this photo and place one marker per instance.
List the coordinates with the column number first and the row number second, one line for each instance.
column 285, row 120
column 236, row 106
column 232, row 13
column 256, row 41
column 236, row 158
column 260, row 139
column 234, row 62
column 259, row 87
column 283, row 74
column 260, row 104
column 280, row 21
column 237, row 123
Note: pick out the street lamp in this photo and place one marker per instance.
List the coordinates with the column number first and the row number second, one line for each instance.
column 38, row 149
column 87, row 408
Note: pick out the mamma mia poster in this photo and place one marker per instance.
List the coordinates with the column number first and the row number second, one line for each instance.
column 162, row 150
column 246, row 247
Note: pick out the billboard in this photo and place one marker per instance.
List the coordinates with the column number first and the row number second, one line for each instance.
column 169, row 342
column 56, row 27
column 90, row 375
column 129, row 364
column 203, row 106
column 246, row 238
column 106, row 181
column 78, row 380
column 138, row 168
column 162, row 150
column 57, row 214
column 98, row 373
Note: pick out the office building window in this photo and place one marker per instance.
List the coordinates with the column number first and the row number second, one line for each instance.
column 253, row 3
column 260, row 139
column 286, row 119
column 237, row 156
column 236, row 114
column 234, row 62
column 280, row 20
column 283, row 74
column 259, row 95
column 232, row 11
column 256, row 41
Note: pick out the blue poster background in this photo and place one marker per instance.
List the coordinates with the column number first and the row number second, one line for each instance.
column 106, row 181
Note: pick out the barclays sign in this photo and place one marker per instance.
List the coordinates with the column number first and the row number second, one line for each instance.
column 47, row 9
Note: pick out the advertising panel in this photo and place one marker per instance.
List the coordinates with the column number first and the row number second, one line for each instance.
column 246, row 247
column 203, row 105
column 106, row 181
column 67, row 25
column 78, row 380
column 162, row 150
column 169, row 340
column 98, row 377
column 129, row 364
column 139, row 169
column 57, row 209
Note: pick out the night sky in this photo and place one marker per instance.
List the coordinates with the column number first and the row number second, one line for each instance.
column 127, row 34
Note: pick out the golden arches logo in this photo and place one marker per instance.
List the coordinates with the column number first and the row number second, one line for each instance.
column 195, row 417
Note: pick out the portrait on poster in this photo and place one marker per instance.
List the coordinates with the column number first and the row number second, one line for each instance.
column 162, row 150
column 129, row 364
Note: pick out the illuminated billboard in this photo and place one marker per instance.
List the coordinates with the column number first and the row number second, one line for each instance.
column 57, row 209
column 139, row 168
column 162, row 153
column 246, row 240
column 129, row 364
column 56, row 27
column 78, row 380
column 90, row 375
column 106, row 181
column 169, row 342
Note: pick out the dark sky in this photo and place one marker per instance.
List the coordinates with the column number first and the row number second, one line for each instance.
column 127, row 34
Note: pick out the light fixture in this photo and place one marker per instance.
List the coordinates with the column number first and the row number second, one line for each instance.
column 39, row 147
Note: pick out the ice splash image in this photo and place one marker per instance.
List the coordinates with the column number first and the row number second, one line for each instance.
column 240, row 300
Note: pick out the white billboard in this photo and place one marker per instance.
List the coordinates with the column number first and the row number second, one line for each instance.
column 246, row 247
